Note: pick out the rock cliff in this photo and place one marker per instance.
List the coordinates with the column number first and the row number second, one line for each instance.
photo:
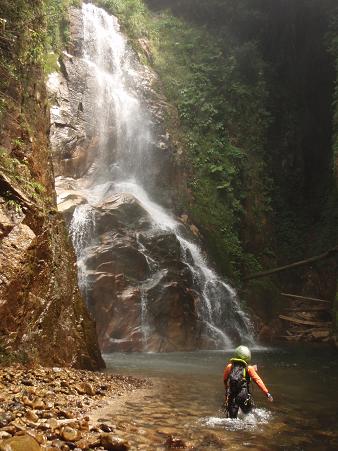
column 144, row 279
column 42, row 315
column 117, row 266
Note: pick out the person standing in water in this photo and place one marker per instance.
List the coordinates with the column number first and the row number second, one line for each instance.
column 237, row 377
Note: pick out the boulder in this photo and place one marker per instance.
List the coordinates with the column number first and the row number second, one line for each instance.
column 161, row 245
column 120, row 326
column 123, row 211
column 14, row 249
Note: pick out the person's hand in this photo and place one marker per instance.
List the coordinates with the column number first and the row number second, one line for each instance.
column 270, row 398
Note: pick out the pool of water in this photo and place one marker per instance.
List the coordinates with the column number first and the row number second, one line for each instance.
column 188, row 393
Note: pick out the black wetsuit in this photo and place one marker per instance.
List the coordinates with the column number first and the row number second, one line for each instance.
column 239, row 396
column 242, row 399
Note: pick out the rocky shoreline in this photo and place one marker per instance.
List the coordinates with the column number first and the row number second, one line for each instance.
column 50, row 408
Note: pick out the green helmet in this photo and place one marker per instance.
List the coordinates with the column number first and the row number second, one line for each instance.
column 243, row 353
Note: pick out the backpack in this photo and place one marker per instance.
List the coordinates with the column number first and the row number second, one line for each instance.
column 238, row 376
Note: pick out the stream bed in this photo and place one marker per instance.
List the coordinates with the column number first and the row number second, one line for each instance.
column 186, row 399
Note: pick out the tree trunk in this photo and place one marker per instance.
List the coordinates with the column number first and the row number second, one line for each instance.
column 327, row 254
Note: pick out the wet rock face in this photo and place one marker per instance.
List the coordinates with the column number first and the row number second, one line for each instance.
column 135, row 283
column 132, row 267
column 76, row 128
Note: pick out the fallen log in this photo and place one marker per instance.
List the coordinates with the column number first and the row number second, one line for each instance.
column 291, row 337
column 304, row 298
column 307, row 261
column 305, row 322
column 312, row 308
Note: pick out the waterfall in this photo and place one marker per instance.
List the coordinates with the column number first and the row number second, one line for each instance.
column 123, row 164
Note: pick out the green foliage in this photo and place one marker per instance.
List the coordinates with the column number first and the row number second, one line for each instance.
column 20, row 174
column 332, row 39
column 18, row 143
column 14, row 206
column 7, row 162
column 133, row 14
column 33, row 32
column 57, row 23
column 9, row 357
column 51, row 63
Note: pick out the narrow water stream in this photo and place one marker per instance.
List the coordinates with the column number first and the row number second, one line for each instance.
column 188, row 393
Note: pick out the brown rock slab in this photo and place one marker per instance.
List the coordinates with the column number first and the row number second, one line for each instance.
column 320, row 333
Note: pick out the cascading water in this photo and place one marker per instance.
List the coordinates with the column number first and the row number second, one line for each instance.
column 123, row 164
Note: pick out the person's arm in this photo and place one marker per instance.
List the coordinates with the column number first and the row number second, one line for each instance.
column 227, row 371
column 254, row 376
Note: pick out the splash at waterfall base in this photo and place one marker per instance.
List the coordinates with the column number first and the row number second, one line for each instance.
column 144, row 277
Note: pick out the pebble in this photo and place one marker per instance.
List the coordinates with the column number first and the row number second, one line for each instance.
column 38, row 404
column 88, row 441
column 47, row 409
column 52, row 423
column 69, row 434
column 105, row 428
column 85, row 388
column 30, row 415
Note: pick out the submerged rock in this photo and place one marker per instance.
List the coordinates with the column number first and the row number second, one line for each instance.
column 177, row 443
column 113, row 443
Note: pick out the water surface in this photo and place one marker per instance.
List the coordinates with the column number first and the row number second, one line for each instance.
column 188, row 395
